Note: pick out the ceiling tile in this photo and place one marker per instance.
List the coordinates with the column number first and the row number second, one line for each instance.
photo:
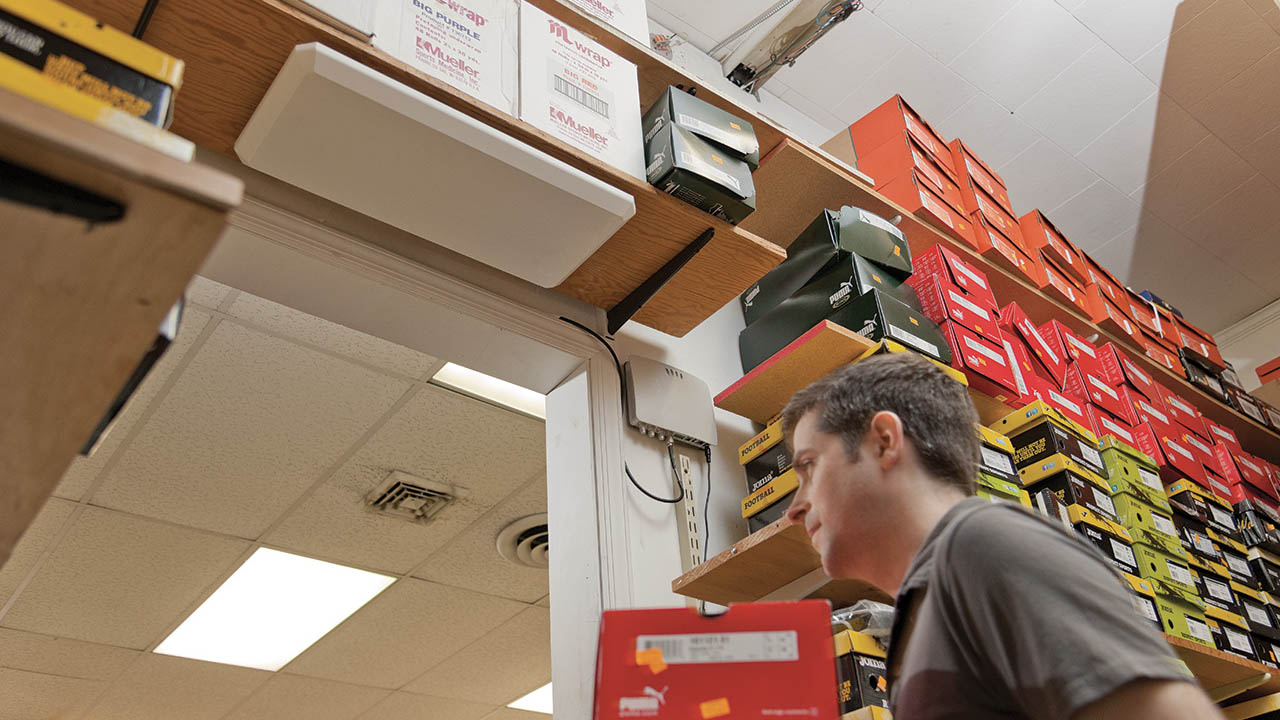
column 1143, row 143
column 933, row 90
column 1216, row 296
column 159, row 687
column 994, row 132
column 1199, row 178
column 507, row 713
column 1151, row 63
column 944, row 29
column 292, row 697
column 121, row 580
column 816, row 112
column 1265, row 155
column 404, row 706
column 1263, row 7
column 409, row 628
column 1023, row 51
column 1273, row 19
column 251, row 424
column 338, row 339
column 827, row 73
column 471, row 560
column 35, row 695
column 1242, row 217
column 1247, row 106
column 1133, row 27
column 1086, row 98
column 716, row 18
column 1212, row 48
column 1258, row 260
column 1044, row 176
column 1071, row 4
column 83, row 471
column 1094, row 216
column 59, row 656
column 206, row 292
column 1153, row 255
column 35, row 541
column 523, row 645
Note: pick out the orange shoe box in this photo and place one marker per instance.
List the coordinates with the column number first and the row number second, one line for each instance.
column 993, row 245
column 1199, row 344
column 1158, row 352
column 981, row 204
column 1040, row 234
column 887, row 122
column 1269, row 371
column 901, row 157
column 1062, row 288
column 973, row 172
column 916, row 195
column 1106, row 315
column 1106, row 282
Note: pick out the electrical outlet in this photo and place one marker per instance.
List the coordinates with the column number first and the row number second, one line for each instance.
column 691, row 550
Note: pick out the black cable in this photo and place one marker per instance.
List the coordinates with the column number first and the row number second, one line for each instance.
column 144, row 18
column 706, row 505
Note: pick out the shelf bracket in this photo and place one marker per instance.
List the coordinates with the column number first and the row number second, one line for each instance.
column 1230, row 690
column 619, row 314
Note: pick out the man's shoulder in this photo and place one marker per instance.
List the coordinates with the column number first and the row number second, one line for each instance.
column 992, row 534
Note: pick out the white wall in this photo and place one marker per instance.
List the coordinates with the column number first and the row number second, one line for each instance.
column 1252, row 342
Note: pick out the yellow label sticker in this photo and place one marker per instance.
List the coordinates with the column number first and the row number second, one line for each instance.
column 914, row 321
column 735, row 126
column 897, row 250
column 714, row 708
column 717, row 159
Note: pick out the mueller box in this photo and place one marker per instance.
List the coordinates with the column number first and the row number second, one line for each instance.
column 1073, row 484
column 764, row 457
column 733, row 135
column 695, row 171
column 861, row 672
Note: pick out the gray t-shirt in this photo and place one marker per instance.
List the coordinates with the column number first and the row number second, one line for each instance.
column 1014, row 617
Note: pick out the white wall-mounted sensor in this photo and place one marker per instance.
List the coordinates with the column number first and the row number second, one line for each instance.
column 669, row 402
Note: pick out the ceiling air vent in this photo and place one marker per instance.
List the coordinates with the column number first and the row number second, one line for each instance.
column 525, row 541
column 412, row 498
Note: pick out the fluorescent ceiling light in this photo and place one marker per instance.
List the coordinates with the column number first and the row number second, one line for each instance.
column 271, row 609
column 538, row 701
column 486, row 387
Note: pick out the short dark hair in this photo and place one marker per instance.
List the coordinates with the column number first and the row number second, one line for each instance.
column 936, row 411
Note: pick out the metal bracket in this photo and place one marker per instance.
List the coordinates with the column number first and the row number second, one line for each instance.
column 619, row 314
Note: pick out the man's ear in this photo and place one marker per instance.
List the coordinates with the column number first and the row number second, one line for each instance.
column 886, row 438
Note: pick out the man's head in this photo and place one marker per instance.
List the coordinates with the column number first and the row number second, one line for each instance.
column 869, row 441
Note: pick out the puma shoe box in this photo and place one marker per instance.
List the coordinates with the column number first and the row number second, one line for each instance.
column 1052, row 365
column 989, row 365
column 951, row 269
column 730, row 133
column 696, row 172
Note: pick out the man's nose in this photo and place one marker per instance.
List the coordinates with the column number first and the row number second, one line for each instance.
column 797, row 509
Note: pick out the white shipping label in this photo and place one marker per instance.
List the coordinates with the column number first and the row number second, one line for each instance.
column 1238, row 640
column 1164, row 525
column 924, row 136
column 1123, row 553
column 1199, row 630
column 1221, row 490
column 996, row 460
column 1070, row 405
column 1258, row 615
column 1091, row 455
column 1029, row 330
column 936, row 208
column 881, row 223
column 1238, row 565
column 964, row 270
column 1218, row 589
column 1145, row 608
column 1017, row 371
column 1153, row 412
column 980, row 176
column 1204, row 545
column 778, row 646
column 704, row 129
column 1082, row 346
column 1177, row 404
column 983, row 349
column 1192, row 440
column 1135, row 372
column 1249, row 464
column 1181, row 450
column 1222, row 517
column 958, row 299
column 927, row 169
column 1180, row 574
column 1103, row 502
column 1115, row 429
column 1150, row 479
column 1103, row 387
column 912, row 340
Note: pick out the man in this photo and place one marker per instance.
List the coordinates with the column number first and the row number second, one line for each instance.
column 1001, row 613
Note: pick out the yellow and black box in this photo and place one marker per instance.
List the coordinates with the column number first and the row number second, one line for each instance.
column 1236, row 557
column 1181, row 613
column 1072, row 482
column 1039, row 432
column 1135, row 513
column 1110, row 538
column 997, row 455
column 1160, row 559
column 890, row 346
column 73, row 49
column 860, row 671
column 764, row 457
column 1256, row 610
column 993, row 488
column 1144, row 598
column 1216, row 512
column 770, row 502
column 1214, row 589
column 1230, row 633
column 1266, row 567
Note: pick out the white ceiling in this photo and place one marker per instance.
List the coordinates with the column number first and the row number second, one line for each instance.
column 266, row 426
column 1147, row 130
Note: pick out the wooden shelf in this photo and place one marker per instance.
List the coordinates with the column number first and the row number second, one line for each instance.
column 776, row 563
column 1214, row 668
column 80, row 303
column 797, row 182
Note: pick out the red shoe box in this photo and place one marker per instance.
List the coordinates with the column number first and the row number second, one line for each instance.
column 1200, row 345
column 1155, row 414
column 1160, row 354
column 1184, row 413
column 1239, row 492
column 1107, row 424
column 1269, row 371
column 1217, row 484
column 1070, row 345
column 1040, row 234
column 887, row 122
column 1222, row 435
column 1203, row 452
column 1084, row 383
column 1024, row 368
column 1067, row 402
column 941, row 301
column 945, row 262
column 1242, row 467
column 1179, row 461
column 1137, row 378
column 755, row 660
column 900, row 157
column 916, row 195
column 980, row 204
column 1060, row 287
column 1107, row 315
column 986, row 364
column 971, row 170
column 1106, row 282
column 1014, row 320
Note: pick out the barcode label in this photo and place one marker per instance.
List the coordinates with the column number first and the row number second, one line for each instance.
column 1164, row 525
column 1104, row 503
column 970, row 274
column 1081, row 346
column 912, row 340
column 1115, row 429
column 1223, row 434
column 1153, row 412
column 702, row 127
column 1237, row 565
column 1150, row 479
column 1238, row 640
column 1218, row 589
column 957, row 299
column 1199, row 630
column 1204, row 545
column 1129, row 368
column 1091, row 455
column 979, row 176
column 1181, row 450
column 1180, row 574
column 580, row 96
column 707, row 169
column 1123, row 553
column 1099, row 384
column 1030, row 331
column 877, row 221
column 1199, row 445
column 996, row 461
column 1258, row 615
column 1145, row 608
column 1017, row 371
column 979, row 347
column 1245, row 461
column 1178, row 404
column 778, row 646
column 1222, row 517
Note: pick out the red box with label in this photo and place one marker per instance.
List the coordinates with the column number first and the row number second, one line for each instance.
column 980, row 204
column 1160, row 354
column 1086, row 384
column 971, row 169
column 999, row 249
column 1218, row 485
column 1060, row 287
column 1024, row 368
column 1040, row 234
column 1244, row 491
column 943, row 261
column 1107, row 424
column 1203, row 452
column 1156, row 414
column 1107, row 315
column 1119, row 368
column 917, row 195
column 1106, row 282
column 887, row 122
column 674, row 664
column 1222, row 435
column 986, row 364
column 1269, row 371
column 1200, row 345
column 1067, row 402
column 1184, row 413
column 899, row 157
column 1242, row 467
column 942, row 301
column 1142, row 313
column 1180, row 461
column 1014, row 320
column 1070, row 345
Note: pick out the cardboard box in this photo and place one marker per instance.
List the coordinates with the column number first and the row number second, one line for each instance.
column 993, row 488
column 971, row 170
column 1216, row 591
column 946, row 264
column 770, row 493
column 1014, row 320
column 1048, row 504
column 1084, row 383
column 1258, row 526
column 1235, row 557
column 1164, row 561
column 629, row 16
column 1107, row 425
column 889, row 346
column 1144, row 598
column 1066, row 402
column 1210, row 510
column 913, row 192
column 886, row 123
column 1271, row 413
column 1040, row 234
column 575, row 89
column 986, row 364
column 1200, row 344
column 1073, row 483
column 1231, row 633
column 1223, row 435
column 860, row 671
column 995, row 247
column 997, row 454
column 979, row 203
column 1265, row 567
column 898, row 158
column 701, row 664
column 1247, row 405
column 1181, row 613
column 765, row 457
column 1159, row 353
column 1184, row 413
column 1107, row 283
column 1242, row 467
column 1269, row 371
column 941, row 301
column 1257, row 611
column 1136, row 514
column 1112, row 540
column 830, row 239
column 730, row 133
column 1119, row 367
column 1106, row 314
column 1070, row 345
column 1153, row 411
column 1039, row 432
column 1131, row 471
column 1061, row 288
column 1203, row 454
column 1202, row 378
column 698, row 173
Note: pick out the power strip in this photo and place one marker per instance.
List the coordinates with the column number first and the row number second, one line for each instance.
column 688, row 520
